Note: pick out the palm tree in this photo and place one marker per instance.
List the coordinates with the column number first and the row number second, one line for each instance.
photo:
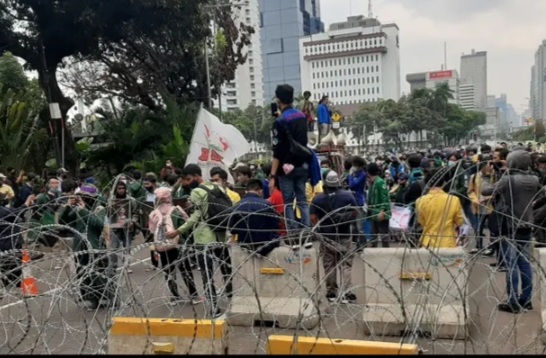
column 20, row 133
column 440, row 98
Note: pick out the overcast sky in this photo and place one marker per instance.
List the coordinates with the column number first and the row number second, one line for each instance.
column 509, row 30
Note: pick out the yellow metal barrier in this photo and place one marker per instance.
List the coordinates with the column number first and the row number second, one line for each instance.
column 312, row 345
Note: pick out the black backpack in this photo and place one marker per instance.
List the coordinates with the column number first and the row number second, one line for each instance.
column 219, row 209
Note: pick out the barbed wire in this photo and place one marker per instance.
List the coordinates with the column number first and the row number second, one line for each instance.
column 58, row 321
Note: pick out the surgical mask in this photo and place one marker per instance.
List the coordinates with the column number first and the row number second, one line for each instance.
column 451, row 163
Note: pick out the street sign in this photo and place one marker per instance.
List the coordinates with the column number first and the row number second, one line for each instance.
column 336, row 117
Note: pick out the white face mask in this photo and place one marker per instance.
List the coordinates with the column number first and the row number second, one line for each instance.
column 451, row 163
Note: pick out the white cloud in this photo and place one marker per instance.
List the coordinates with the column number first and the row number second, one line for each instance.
column 509, row 30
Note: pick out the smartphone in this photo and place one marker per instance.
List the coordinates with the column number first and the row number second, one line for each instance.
column 274, row 109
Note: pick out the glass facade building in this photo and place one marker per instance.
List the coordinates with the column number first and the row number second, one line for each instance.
column 282, row 24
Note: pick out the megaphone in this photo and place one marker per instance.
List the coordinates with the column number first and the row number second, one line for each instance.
column 328, row 139
column 312, row 139
column 341, row 139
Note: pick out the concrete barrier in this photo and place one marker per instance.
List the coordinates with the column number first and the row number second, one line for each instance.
column 313, row 345
column 540, row 282
column 281, row 289
column 133, row 335
column 410, row 290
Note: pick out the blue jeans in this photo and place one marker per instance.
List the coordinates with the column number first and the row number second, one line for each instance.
column 293, row 187
column 518, row 263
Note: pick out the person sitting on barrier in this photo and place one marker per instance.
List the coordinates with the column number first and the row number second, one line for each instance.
column 255, row 221
column 440, row 214
column 333, row 213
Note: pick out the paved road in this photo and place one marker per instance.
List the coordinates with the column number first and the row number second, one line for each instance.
column 55, row 323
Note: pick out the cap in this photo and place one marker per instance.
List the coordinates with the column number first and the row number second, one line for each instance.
column 62, row 171
column 332, row 180
column 403, row 176
column 90, row 180
column 88, row 189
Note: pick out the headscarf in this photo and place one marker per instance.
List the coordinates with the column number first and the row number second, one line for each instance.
column 164, row 200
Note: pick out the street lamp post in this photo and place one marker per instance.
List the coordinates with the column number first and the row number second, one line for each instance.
column 207, row 69
column 207, row 66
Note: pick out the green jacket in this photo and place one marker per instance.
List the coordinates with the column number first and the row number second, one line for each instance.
column 46, row 210
column 86, row 222
column 202, row 233
column 137, row 191
column 378, row 199
column 178, row 191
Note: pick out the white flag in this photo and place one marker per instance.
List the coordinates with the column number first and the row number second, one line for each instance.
column 215, row 144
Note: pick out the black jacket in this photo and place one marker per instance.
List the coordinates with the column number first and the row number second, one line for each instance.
column 10, row 228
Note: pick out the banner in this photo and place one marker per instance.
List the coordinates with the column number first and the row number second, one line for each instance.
column 215, row 144
column 400, row 217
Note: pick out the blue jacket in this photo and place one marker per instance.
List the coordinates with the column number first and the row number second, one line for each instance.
column 396, row 172
column 323, row 114
column 254, row 220
column 357, row 184
column 315, row 174
column 265, row 183
column 24, row 193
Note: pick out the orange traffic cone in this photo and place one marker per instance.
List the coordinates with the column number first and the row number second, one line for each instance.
column 28, row 287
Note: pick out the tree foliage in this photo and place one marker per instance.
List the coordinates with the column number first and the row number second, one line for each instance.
column 423, row 109
column 145, row 48
column 23, row 141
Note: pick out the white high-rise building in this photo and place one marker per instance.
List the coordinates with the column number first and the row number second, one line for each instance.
column 538, row 84
column 354, row 62
column 432, row 79
column 474, row 72
column 467, row 97
column 247, row 86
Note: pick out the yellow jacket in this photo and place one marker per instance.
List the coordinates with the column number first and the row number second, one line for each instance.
column 233, row 196
column 439, row 214
column 475, row 195
column 310, row 193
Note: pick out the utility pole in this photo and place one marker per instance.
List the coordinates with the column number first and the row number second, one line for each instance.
column 54, row 113
column 207, row 69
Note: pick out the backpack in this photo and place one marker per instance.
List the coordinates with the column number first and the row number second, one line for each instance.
column 219, row 207
column 165, row 225
column 337, row 220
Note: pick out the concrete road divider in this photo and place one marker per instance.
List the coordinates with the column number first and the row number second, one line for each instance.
column 416, row 290
column 312, row 345
column 133, row 335
column 281, row 289
column 540, row 282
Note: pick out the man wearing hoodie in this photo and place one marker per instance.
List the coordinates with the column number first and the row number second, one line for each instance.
column 514, row 194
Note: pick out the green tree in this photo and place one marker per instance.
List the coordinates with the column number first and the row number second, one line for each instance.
column 20, row 133
column 145, row 47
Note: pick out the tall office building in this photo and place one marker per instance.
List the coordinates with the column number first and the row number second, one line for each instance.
column 432, row 79
column 283, row 23
column 538, row 84
column 356, row 61
column 247, row 86
column 474, row 72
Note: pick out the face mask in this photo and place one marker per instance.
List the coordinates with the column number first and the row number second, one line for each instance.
column 193, row 185
column 451, row 163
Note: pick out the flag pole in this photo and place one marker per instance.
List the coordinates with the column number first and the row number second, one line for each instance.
column 202, row 108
